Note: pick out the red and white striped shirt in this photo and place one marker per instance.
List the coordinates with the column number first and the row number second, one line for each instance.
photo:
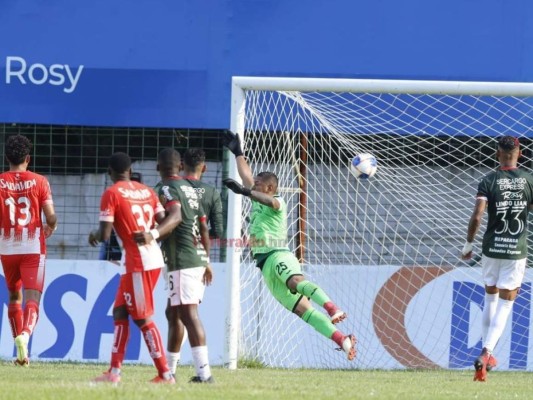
column 22, row 195
column 131, row 207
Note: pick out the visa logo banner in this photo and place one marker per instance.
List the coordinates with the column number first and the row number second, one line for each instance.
column 19, row 72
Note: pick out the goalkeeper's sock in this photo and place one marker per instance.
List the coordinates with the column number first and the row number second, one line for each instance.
column 16, row 318
column 338, row 337
column 314, row 292
column 320, row 322
column 121, row 337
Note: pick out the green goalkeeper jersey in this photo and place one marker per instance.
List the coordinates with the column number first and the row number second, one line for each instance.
column 268, row 228
column 509, row 194
column 183, row 248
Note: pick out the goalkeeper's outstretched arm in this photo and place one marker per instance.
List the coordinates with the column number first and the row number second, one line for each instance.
column 245, row 172
column 233, row 143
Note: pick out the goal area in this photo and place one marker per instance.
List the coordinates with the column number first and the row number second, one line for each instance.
column 386, row 249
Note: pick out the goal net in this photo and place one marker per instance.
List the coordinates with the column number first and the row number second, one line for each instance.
column 386, row 249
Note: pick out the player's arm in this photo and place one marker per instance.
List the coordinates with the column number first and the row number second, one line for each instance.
column 204, row 238
column 107, row 207
column 172, row 217
column 233, row 143
column 101, row 234
column 47, row 208
column 473, row 227
column 260, row 197
column 167, row 219
column 50, row 219
column 216, row 216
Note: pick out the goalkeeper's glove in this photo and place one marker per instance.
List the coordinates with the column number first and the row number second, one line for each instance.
column 236, row 187
column 467, row 249
column 232, row 142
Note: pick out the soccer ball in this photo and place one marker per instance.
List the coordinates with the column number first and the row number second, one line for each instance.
column 364, row 166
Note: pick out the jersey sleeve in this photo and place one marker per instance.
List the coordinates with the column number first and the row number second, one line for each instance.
column 45, row 192
column 169, row 195
column 482, row 190
column 107, row 207
column 282, row 204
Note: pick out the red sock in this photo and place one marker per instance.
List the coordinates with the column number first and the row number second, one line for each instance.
column 338, row 337
column 15, row 316
column 153, row 340
column 120, row 341
column 31, row 315
column 330, row 308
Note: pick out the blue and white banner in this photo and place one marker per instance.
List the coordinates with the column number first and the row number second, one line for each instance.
column 76, row 323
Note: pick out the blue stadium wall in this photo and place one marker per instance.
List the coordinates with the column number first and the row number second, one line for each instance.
column 169, row 63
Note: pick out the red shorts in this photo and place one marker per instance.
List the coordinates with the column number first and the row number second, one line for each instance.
column 136, row 292
column 24, row 270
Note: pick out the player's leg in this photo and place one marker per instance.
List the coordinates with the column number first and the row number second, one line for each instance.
column 300, row 305
column 121, row 335
column 140, row 305
column 32, row 277
column 323, row 325
column 175, row 336
column 189, row 294
column 510, row 274
column 10, row 265
column 491, row 269
column 288, row 269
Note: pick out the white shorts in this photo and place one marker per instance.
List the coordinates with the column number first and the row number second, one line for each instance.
column 186, row 286
column 504, row 274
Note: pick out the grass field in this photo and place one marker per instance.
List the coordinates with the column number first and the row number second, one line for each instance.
column 59, row 381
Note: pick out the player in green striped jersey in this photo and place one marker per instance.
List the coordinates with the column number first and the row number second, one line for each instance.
column 280, row 269
column 186, row 253
column 507, row 194
column 193, row 168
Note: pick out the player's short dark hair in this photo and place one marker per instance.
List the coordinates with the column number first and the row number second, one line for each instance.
column 17, row 147
column 269, row 177
column 120, row 162
column 168, row 159
column 193, row 157
column 508, row 143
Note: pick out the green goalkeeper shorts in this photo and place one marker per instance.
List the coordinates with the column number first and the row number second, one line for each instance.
column 278, row 268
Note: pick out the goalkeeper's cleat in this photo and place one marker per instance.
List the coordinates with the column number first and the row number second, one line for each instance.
column 159, row 379
column 338, row 316
column 21, row 342
column 491, row 363
column 197, row 379
column 108, row 376
column 480, row 364
column 348, row 346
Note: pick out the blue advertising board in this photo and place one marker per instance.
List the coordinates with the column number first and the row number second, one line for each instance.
column 166, row 63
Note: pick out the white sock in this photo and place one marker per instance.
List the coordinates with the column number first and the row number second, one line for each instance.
column 115, row 371
column 491, row 301
column 497, row 325
column 173, row 361
column 201, row 362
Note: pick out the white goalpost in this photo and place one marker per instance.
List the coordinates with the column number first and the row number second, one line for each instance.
column 386, row 249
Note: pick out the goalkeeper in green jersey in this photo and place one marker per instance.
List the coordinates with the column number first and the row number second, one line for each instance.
column 281, row 270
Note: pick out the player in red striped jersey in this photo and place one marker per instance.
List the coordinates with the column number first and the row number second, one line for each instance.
column 24, row 197
column 133, row 209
